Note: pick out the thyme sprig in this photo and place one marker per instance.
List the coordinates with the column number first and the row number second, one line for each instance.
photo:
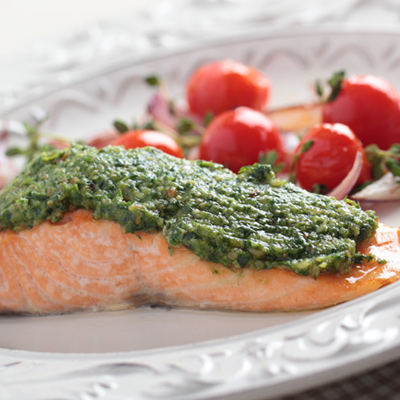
column 185, row 140
column 293, row 164
column 271, row 158
column 37, row 141
column 329, row 90
column 123, row 127
column 184, row 125
column 383, row 161
column 186, row 131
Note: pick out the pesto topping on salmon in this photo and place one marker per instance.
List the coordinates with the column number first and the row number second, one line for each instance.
column 251, row 220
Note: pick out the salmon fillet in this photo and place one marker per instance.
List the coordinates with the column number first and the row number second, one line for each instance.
column 81, row 263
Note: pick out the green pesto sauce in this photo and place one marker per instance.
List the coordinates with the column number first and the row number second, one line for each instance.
column 251, row 220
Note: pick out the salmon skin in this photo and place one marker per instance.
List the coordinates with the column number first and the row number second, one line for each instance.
column 81, row 263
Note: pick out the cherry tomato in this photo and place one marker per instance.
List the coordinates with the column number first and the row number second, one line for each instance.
column 329, row 156
column 370, row 106
column 103, row 139
column 225, row 85
column 143, row 138
column 236, row 138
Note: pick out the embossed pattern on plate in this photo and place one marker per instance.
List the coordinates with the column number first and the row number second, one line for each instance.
column 173, row 23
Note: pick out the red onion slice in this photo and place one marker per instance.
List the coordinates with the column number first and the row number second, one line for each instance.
column 159, row 109
column 350, row 180
column 298, row 118
column 386, row 188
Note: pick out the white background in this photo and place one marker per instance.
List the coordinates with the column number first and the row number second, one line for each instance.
column 24, row 22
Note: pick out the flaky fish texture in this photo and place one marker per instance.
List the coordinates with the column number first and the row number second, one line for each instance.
column 81, row 263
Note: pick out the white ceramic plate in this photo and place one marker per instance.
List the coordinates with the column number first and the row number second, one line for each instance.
column 149, row 353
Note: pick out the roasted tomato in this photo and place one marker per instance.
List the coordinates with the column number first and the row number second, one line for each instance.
column 144, row 138
column 326, row 155
column 237, row 137
column 225, row 85
column 370, row 106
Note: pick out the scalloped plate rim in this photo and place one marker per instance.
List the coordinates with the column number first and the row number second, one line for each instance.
column 185, row 48
column 306, row 320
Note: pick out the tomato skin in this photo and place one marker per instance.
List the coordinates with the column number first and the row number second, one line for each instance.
column 236, row 138
column 103, row 139
column 330, row 158
column 144, row 138
column 224, row 85
column 370, row 106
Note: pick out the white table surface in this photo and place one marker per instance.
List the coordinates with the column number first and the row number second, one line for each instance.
column 25, row 22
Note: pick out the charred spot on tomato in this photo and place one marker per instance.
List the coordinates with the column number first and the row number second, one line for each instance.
column 252, row 220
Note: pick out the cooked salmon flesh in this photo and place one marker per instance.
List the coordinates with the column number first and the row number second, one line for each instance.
column 80, row 263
